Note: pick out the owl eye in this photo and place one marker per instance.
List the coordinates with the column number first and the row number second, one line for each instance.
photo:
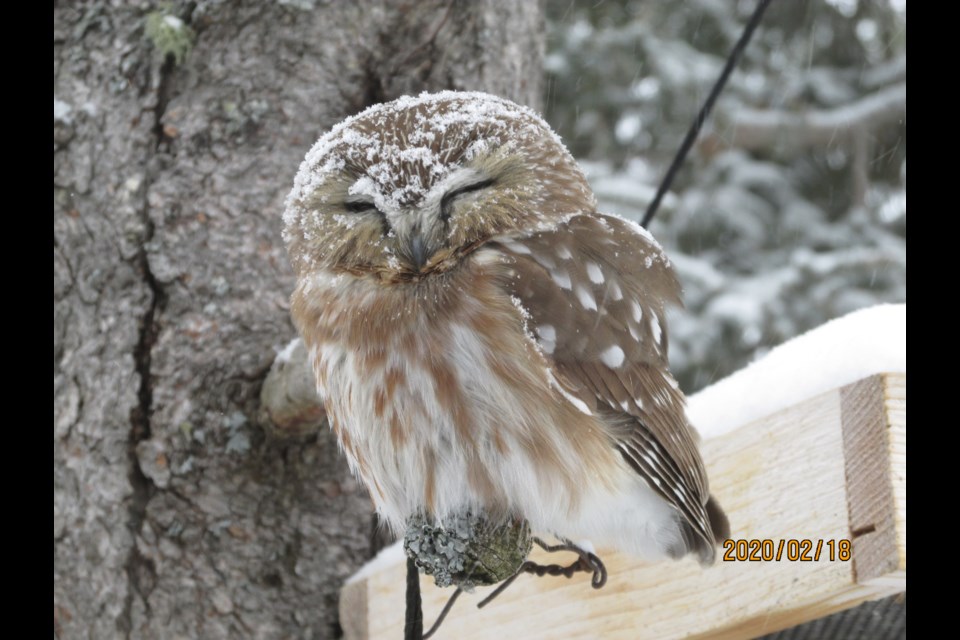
column 360, row 206
column 448, row 198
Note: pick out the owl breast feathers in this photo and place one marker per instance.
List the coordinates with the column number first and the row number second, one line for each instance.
column 483, row 338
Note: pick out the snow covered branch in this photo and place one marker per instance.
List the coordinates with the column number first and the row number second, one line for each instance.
column 290, row 405
column 885, row 74
column 766, row 129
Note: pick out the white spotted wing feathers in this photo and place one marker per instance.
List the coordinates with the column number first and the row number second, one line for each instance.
column 595, row 291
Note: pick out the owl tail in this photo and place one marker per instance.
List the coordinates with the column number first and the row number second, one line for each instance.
column 719, row 523
column 694, row 540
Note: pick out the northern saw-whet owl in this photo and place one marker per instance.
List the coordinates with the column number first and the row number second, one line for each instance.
column 483, row 339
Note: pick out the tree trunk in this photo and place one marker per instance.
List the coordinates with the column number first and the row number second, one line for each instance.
column 177, row 133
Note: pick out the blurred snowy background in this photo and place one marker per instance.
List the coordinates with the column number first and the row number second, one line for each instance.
column 791, row 210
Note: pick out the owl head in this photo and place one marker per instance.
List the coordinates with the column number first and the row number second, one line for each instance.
column 409, row 188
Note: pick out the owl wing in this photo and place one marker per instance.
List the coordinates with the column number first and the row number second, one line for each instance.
column 595, row 289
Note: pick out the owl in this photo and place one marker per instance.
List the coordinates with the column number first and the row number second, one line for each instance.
column 484, row 339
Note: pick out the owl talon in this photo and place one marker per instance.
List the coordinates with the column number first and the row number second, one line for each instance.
column 587, row 562
column 592, row 563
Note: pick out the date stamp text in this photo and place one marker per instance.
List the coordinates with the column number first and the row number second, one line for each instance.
column 792, row 550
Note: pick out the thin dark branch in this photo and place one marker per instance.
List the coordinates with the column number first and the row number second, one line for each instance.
column 705, row 110
column 413, row 625
column 445, row 611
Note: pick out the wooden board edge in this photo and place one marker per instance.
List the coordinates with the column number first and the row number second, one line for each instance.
column 354, row 611
column 869, row 478
column 800, row 614
column 896, row 407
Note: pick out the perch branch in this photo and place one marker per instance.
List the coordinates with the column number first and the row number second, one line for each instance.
column 756, row 129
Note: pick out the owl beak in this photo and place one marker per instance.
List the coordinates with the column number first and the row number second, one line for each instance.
column 418, row 250
column 423, row 239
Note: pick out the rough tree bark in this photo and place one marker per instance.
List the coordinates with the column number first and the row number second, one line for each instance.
column 175, row 514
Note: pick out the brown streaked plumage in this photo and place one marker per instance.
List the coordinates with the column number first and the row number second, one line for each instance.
column 483, row 338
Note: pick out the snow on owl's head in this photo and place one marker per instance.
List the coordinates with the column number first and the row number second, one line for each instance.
column 409, row 187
